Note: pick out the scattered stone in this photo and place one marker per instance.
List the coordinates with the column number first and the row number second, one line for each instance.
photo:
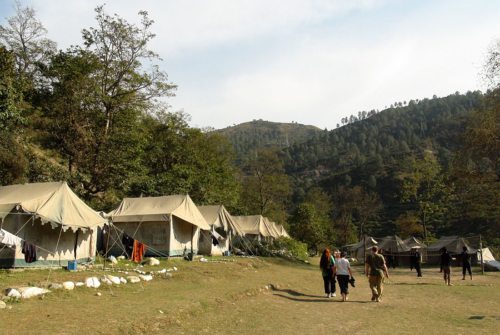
column 8, row 307
column 175, row 269
column 113, row 260
column 68, row 285
column 152, row 262
column 106, row 281
column 123, row 280
column 98, row 294
column 79, row 284
column 3, row 305
column 12, row 293
column 203, row 260
column 133, row 279
column 55, row 286
column 113, row 279
column 120, row 257
column 92, row 282
column 28, row 292
column 267, row 287
column 167, row 275
column 146, row 278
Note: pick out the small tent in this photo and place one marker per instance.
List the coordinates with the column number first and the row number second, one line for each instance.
column 52, row 217
column 256, row 227
column 413, row 242
column 222, row 227
column 358, row 249
column 282, row 231
column 168, row 225
column 454, row 245
column 271, row 226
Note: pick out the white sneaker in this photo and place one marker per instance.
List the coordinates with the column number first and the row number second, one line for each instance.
column 329, row 295
column 334, row 295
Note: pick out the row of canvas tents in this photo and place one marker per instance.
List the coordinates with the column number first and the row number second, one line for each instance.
column 60, row 227
column 400, row 249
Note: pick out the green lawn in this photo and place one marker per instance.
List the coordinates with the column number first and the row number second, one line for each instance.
column 231, row 298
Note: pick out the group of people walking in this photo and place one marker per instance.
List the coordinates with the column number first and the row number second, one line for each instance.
column 335, row 267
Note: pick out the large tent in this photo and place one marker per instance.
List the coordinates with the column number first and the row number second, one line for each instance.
column 394, row 246
column 358, row 250
column 272, row 228
column 454, row 245
column 52, row 217
column 222, row 224
column 167, row 225
column 413, row 242
column 282, row 231
column 255, row 227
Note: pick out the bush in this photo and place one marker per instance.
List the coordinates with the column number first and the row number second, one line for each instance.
column 294, row 248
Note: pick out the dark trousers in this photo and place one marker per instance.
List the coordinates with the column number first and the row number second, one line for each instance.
column 329, row 283
column 343, row 283
column 391, row 261
column 466, row 267
column 412, row 264
column 417, row 267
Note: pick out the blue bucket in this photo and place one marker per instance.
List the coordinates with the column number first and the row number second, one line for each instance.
column 72, row 265
column 227, row 253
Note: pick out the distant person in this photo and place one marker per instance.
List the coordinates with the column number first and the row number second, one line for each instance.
column 375, row 270
column 466, row 260
column 343, row 272
column 390, row 259
column 446, row 265
column 412, row 258
column 326, row 264
column 418, row 261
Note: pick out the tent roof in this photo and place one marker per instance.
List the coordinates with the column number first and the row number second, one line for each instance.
column 158, row 209
column 282, row 230
column 218, row 217
column 52, row 202
column 369, row 242
column 453, row 244
column 254, row 224
column 487, row 255
column 413, row 242
column 394, row 243
column 271, row 226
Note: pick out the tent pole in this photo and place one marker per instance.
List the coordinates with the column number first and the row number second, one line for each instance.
column 1, row 223
column 107, row 244
column 192, row 233
column 364, row 247
column 481, row 251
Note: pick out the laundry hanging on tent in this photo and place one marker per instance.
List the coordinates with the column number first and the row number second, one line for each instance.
column 9, row 239
column 128, row 243
column 29, row 251
column 215, row 242
column 139, row 251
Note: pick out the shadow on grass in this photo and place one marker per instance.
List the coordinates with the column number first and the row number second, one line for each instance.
column 319, row 300
column 294, row 293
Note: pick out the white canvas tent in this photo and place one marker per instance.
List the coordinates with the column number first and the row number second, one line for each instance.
column 168, row 225
column 26, row 210
column 223, row 224
column 454, row 245
column 282, row 231
column 358, row 250
column 255, row 227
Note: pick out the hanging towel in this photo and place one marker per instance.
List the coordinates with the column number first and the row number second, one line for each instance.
column 139, row 251
column 128, row 243
column 9, row 239
column 29, row 251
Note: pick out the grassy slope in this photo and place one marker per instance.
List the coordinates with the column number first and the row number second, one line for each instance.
column 231, row 299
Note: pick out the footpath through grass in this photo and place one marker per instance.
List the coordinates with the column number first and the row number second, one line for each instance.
column 231, row 298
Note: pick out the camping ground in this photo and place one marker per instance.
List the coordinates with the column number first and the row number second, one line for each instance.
column 231, row 298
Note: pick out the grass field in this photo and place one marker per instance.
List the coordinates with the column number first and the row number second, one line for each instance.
column 231, row 298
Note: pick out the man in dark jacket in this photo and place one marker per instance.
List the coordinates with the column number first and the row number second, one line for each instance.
column 446, row 265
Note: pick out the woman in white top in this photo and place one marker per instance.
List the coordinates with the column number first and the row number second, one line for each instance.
column 343, row 272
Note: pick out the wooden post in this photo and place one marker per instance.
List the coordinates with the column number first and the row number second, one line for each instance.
column 481, row 252
column 192, row 233
column 1, row 223
column 364, row 247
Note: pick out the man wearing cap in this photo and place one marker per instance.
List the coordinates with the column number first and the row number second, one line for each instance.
column 375, row 270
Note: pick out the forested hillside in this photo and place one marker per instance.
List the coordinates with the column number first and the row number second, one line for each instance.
column 247, row 137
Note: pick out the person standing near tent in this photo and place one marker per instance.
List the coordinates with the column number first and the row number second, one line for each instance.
column 417, row 258
column 446, row 265
column 412, row 258
column 466, row 260
column 327, row 265
column 375, row 270
column 343, row 272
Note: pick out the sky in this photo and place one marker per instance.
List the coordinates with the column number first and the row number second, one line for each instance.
column 308, row 61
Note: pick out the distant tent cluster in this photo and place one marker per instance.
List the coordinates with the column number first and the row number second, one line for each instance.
column 399, row 249
column 46, row 224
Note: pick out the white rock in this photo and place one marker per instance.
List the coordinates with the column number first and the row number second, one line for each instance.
column 92, row 282
column 2, row 305
column 167, row 275
column 146, row 278
column 152, row 262
column 106, row 281
column 120, row 257
column 55, row 286
column 203, row 260
column 113, row 260
column 10, row 292
column 133, row 279
column 123, row 280
column 28, row 292
column 79, row 284
column 113, row 279
column 162, row 271
column 68, row 285
column 98, row 294
column 175, row 269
